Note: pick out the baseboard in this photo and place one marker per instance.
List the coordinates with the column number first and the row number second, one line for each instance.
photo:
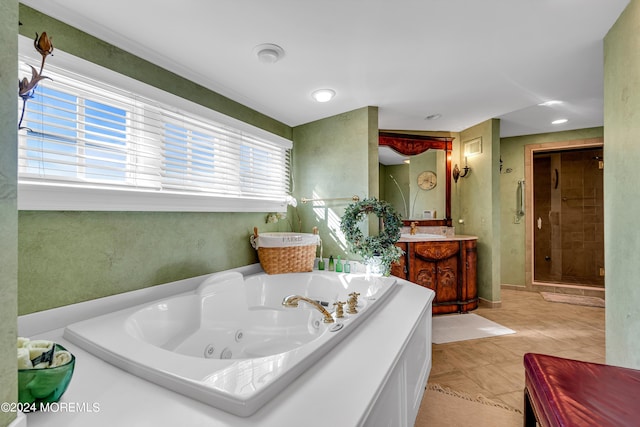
column 484, row 303
column 513, row 287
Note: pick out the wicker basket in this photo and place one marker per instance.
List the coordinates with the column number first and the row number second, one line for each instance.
column 286, row 259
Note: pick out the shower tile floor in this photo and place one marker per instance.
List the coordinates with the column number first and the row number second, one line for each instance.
column 493, row 366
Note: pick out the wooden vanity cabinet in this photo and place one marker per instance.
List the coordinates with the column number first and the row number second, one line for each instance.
column 447, row 267
column 399, row 268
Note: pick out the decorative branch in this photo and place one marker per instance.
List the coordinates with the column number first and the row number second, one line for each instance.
column 26, row 88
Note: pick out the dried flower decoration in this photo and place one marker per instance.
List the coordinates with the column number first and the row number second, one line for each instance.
column 44, row 45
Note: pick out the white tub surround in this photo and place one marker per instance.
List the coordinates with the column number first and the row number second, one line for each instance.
column 231, row 343
column 375, row 375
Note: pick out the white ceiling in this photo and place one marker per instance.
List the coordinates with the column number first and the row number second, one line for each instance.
column 468, row 60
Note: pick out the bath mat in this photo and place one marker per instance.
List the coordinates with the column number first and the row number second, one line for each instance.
column 443, row 407
column 573, row 299
column 462, row 327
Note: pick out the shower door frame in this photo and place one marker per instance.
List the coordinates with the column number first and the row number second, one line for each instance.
column 529, row 151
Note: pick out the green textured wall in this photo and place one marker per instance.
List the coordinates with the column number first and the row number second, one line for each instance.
column 434, row 199
column 479, row 198
column 331, row 160
column 372, row 144
column 67, row 257
column 373, row 161
column 8, row 207
column 389, row 190
column 621, row 197
column 455, row 187
column 512, row 235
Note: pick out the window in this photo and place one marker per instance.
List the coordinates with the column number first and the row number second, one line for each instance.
column 73, row 138
column 91, row 146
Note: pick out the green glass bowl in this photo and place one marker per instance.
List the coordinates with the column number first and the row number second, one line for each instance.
column 45, row 385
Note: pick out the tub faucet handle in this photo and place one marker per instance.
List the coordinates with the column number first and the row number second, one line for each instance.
column 352, row 307
column 352, row 302
column 413, row 227
column 339, row 309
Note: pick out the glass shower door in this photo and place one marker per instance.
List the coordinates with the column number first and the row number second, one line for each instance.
column 569, row 217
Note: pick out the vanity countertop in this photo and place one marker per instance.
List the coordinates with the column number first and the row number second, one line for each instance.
column 419, row 238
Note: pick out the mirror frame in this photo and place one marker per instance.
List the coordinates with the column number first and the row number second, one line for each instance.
column 411, row 145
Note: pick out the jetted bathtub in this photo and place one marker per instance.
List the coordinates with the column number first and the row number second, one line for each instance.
column 231, row 343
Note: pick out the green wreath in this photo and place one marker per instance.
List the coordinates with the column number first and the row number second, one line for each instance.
column 382, row 245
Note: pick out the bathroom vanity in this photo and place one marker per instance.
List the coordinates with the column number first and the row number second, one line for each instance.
column 447, row 265
column 434, row 257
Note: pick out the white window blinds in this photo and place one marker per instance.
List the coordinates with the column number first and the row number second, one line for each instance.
column 86, row 136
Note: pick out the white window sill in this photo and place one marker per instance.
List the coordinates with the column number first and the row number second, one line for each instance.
column 64, row 198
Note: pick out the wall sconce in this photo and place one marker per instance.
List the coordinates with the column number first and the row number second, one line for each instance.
column 456, row 171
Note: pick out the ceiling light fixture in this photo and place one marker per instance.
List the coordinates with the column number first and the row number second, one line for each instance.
column 433, row 116
column 559, row 121
column 550, row 103
column 268, row 53
column 323, row 95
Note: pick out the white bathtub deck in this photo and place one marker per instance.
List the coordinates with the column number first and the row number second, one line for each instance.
column 337, row 390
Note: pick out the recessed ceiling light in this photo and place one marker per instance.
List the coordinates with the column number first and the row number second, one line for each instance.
column 550, row 103
column 559, row 121
column 323, row 95
column 433, row 116
column 268, row 53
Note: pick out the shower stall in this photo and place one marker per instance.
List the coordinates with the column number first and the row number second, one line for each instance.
column 568, row 217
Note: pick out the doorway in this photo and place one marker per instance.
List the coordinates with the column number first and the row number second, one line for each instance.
column 565, row 215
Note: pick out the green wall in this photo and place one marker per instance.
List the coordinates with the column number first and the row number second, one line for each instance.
column 8, row 208
column 434, row 199
column 331, row 160
column 479, row 204
column 621, row 178
column 512, row 234
column 389, row 191
column 67, row 257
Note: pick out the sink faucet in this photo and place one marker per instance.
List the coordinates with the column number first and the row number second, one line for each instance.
column 413, row 228
column 292, row 301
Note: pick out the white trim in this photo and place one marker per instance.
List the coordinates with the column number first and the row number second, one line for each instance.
column 50, row 197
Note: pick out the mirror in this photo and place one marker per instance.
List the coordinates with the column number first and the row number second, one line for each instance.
column 421, row 189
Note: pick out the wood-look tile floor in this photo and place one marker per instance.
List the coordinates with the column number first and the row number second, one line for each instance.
column 493, row 366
